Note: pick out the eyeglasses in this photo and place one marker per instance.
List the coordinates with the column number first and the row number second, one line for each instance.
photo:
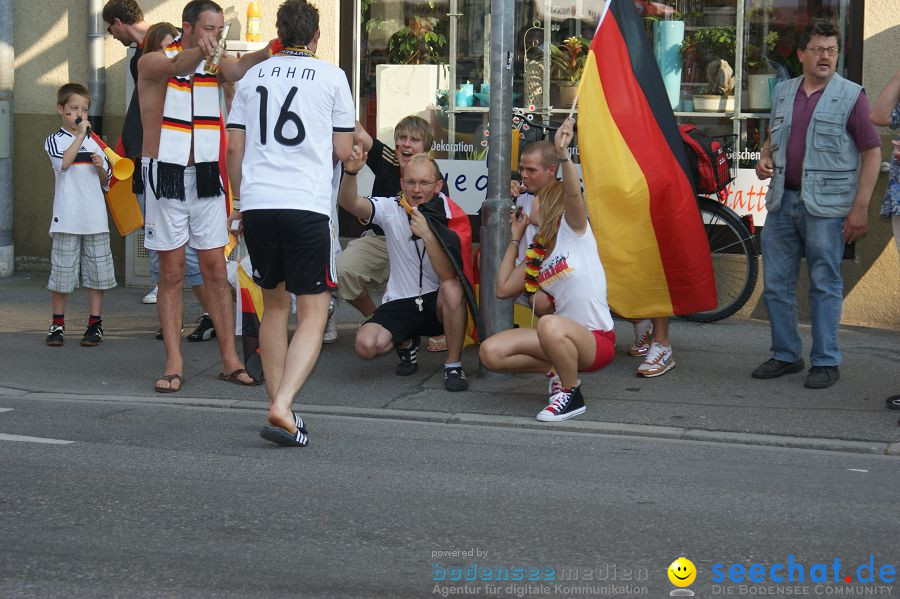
column 820, row 50
column 412, row 183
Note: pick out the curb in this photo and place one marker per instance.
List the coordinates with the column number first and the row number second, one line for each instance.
column 470, row 419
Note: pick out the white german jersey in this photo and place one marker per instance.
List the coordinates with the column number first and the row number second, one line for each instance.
column 78, row 203
column 408, row 257
column 289, row 107
column 574, row 276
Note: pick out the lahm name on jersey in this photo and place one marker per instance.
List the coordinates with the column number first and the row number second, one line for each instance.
column 288, row 73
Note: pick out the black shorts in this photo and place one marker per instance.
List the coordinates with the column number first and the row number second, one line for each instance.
column 402, row 317
column 293, row 246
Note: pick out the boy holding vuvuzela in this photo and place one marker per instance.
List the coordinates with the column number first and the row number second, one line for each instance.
column 79, row 226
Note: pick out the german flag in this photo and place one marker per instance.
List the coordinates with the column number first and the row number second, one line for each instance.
column 637, row 181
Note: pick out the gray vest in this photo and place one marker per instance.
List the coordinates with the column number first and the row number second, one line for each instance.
column 831, row 163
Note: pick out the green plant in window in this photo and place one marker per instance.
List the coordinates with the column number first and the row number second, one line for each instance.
column 709, row 43
column 568, row 58
column 757, row 58
column 418, row 42
column 760, row 37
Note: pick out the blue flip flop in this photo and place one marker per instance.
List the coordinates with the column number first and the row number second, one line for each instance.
column 282, row 437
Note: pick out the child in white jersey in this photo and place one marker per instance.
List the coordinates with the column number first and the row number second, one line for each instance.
column 563, row 264
column 79, row 225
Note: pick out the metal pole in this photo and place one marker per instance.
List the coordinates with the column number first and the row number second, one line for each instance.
column 7, row 76
column 96, row 65
column 497, row 314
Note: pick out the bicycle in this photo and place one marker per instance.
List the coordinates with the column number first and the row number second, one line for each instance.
column 732, row 246
column 735, row 263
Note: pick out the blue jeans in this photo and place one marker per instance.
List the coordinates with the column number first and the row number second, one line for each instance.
column 192, row 276
column 788, row 234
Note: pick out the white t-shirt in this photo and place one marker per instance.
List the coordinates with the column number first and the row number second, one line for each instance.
column 574, row 276
column 405, row 255
column 289, row 107
column 78, row 203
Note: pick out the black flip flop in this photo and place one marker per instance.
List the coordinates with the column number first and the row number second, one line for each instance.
column 893, row 402
column 282, row 437
column 298, row 422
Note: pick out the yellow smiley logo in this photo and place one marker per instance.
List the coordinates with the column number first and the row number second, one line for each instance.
column 682, row 572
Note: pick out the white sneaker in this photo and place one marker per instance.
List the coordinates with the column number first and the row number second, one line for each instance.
column 643, row 337
column 330, row 335
column 150, row 298
column 659, row 360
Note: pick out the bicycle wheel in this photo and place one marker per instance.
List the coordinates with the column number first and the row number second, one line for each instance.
column 734, row 260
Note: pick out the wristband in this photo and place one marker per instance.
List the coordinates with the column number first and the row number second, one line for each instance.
column 566, row 159
column 351, row 173
column 514, row 241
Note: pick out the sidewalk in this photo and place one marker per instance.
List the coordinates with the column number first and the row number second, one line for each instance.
column 708, row 396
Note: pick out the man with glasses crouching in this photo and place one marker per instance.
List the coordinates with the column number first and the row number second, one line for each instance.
column 424, row 294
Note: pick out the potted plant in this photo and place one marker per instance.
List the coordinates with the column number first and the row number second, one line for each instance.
column 416, row 64
column 759, row 71
column 567, row 61
column 417, row 43
column 713, row 48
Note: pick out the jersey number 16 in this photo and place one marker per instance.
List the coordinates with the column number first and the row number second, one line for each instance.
column 285, row 116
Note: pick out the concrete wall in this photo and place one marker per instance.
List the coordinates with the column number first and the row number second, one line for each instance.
column 51, row 49
column 872, row 282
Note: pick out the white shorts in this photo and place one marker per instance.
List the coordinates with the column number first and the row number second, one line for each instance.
column 171, row 223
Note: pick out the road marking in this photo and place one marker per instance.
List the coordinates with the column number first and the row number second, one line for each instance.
column 24, row 439
column 856, row 470
column 5, row 437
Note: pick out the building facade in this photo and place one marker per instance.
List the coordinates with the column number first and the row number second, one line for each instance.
column 443, row 47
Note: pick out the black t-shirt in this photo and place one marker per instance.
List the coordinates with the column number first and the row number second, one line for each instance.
column 132, row 130
column 383, row 162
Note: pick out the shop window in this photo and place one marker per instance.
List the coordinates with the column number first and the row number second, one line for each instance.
column 432, row 58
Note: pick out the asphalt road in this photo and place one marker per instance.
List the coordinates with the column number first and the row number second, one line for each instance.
column 155, row 500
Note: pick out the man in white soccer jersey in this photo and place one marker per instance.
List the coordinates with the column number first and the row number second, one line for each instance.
column 290, row 114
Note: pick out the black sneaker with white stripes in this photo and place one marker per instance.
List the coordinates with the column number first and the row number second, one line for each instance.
column 93, row 335
column 563, row 405
column 409, row 361
column 455, row 379
column 55, row 335
column 204, row 330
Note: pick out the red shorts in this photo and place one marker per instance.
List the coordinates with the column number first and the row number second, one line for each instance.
column 606, row 350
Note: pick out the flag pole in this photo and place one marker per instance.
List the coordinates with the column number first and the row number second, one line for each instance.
column 581, row 79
